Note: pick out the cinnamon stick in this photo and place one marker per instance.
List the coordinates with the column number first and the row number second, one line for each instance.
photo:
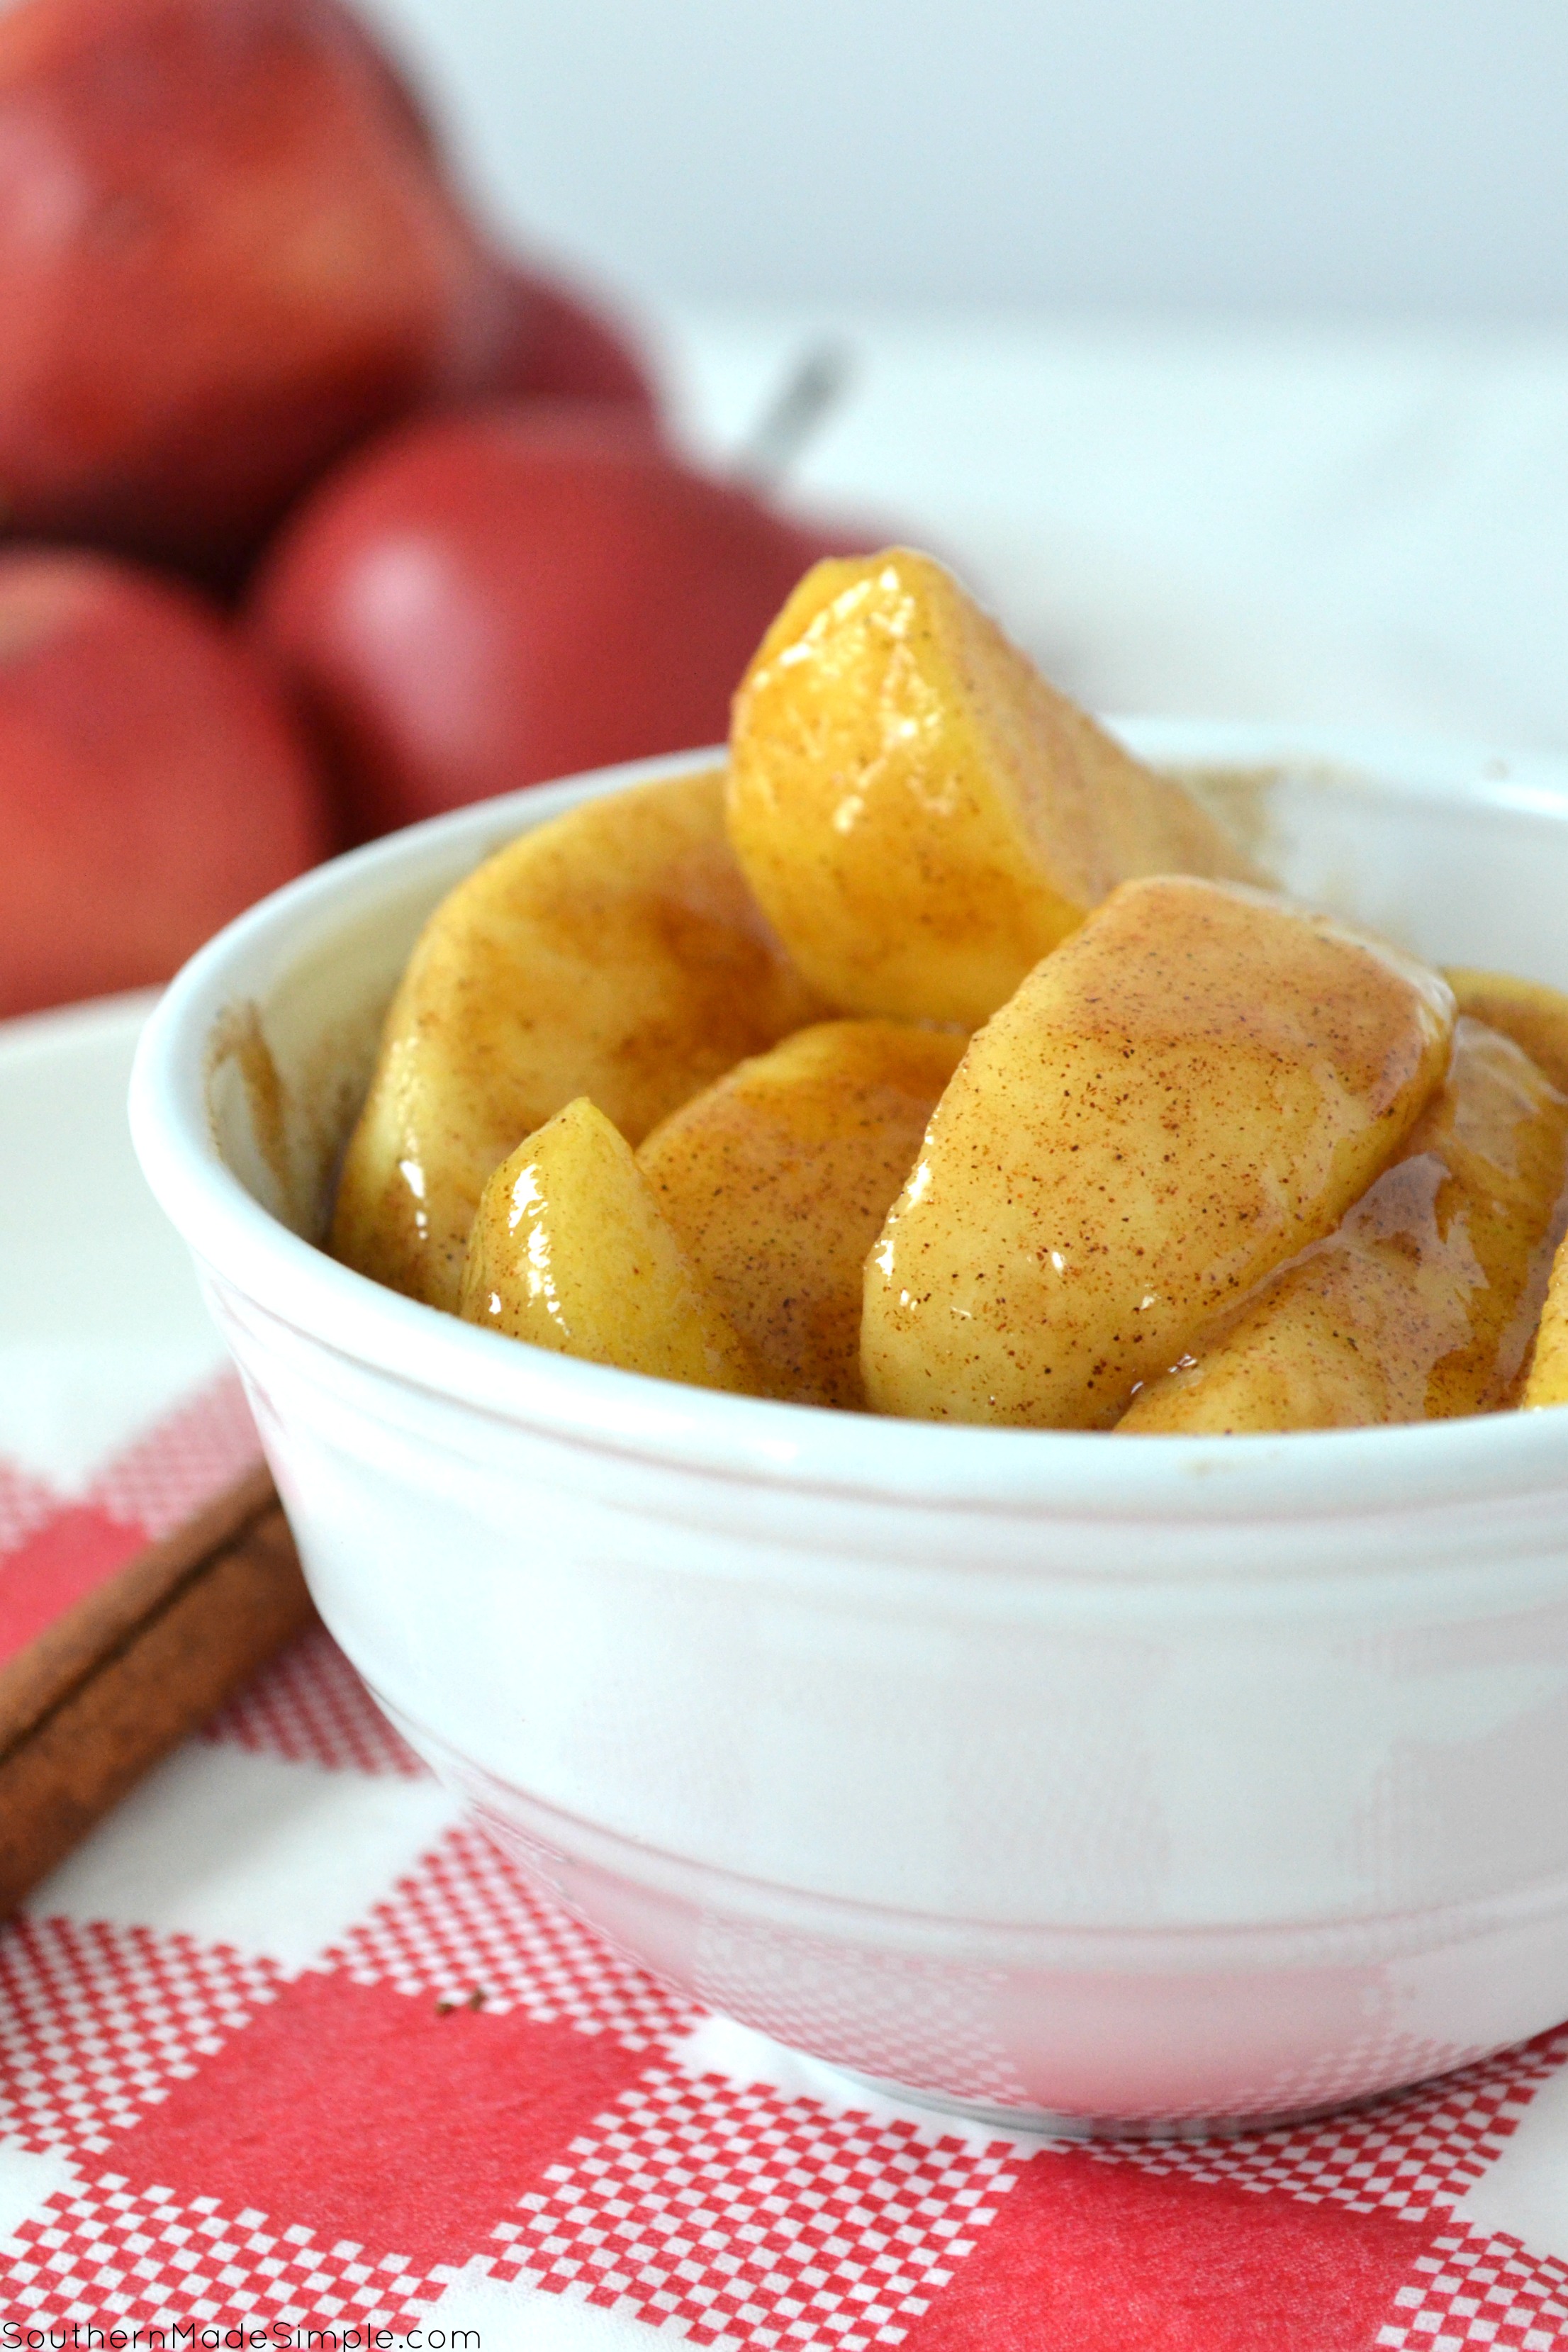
column 119, row 1679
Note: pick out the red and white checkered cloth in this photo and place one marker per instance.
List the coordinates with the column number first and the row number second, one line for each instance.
column 287, row 2046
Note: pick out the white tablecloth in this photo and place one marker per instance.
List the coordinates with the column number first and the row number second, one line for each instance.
column 1333, row 525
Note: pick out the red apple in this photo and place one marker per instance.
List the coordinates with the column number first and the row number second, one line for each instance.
column 479, row 602
column 402, row 93
column 151, row 782
column 556, row 345
column 226, row 250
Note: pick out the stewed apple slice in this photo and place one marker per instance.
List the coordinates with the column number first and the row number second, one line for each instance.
column 1533, row 1016
column 1192, row 1088
column 919, row 814
column 569, row 1251
column 777, row 1181
column 1546, row 1381
column 1421, row 1305
column 614, row 952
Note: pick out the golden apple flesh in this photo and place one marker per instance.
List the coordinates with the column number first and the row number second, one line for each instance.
column 777, row 1179
column 1185, row 1093
column 921, row 815
column 614, row 953
column 569, row 1251
column 1422, row 1305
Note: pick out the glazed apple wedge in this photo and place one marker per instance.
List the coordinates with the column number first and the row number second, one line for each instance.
column 1535, row 1017
column 1420, row 1305
column 1547, row 1380
column 921, row 815
column 569, row 1249
column 614, row 952
column 1192, row 1088
column 777, row 1179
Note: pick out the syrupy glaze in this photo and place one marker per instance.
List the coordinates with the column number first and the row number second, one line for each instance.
column 237, row 1041
column 1422, row 1304
column 281, row 1122
column 1533, row 1016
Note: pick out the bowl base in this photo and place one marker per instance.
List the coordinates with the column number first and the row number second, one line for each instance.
column 1044, row 2123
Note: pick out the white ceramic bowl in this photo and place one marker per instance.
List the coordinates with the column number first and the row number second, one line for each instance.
column 1037, row 1773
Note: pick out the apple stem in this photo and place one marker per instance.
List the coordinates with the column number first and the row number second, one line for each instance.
column 815, row 385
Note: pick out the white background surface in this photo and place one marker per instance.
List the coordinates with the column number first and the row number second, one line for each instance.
column 90, row 1269
column 1225, row 349
column 1343, row 525
column 1399, row 157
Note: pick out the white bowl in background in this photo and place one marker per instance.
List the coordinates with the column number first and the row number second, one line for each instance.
column 1038, row 1773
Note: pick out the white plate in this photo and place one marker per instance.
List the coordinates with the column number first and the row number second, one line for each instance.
column 102, row 1328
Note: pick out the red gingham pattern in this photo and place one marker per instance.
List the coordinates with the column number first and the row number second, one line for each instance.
column 738, row 2215
column 192, row 1454
column 313, row 1708
column 1470, row 2289
column 55, row 1548
column 749, row 2218
column 25, row 1502
column 466, row 1922
column 1415, row 2155
column 97, row 2021
column 104, row 2254
column 464, row 2086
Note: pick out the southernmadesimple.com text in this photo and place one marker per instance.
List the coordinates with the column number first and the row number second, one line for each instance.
column 192, row 2336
